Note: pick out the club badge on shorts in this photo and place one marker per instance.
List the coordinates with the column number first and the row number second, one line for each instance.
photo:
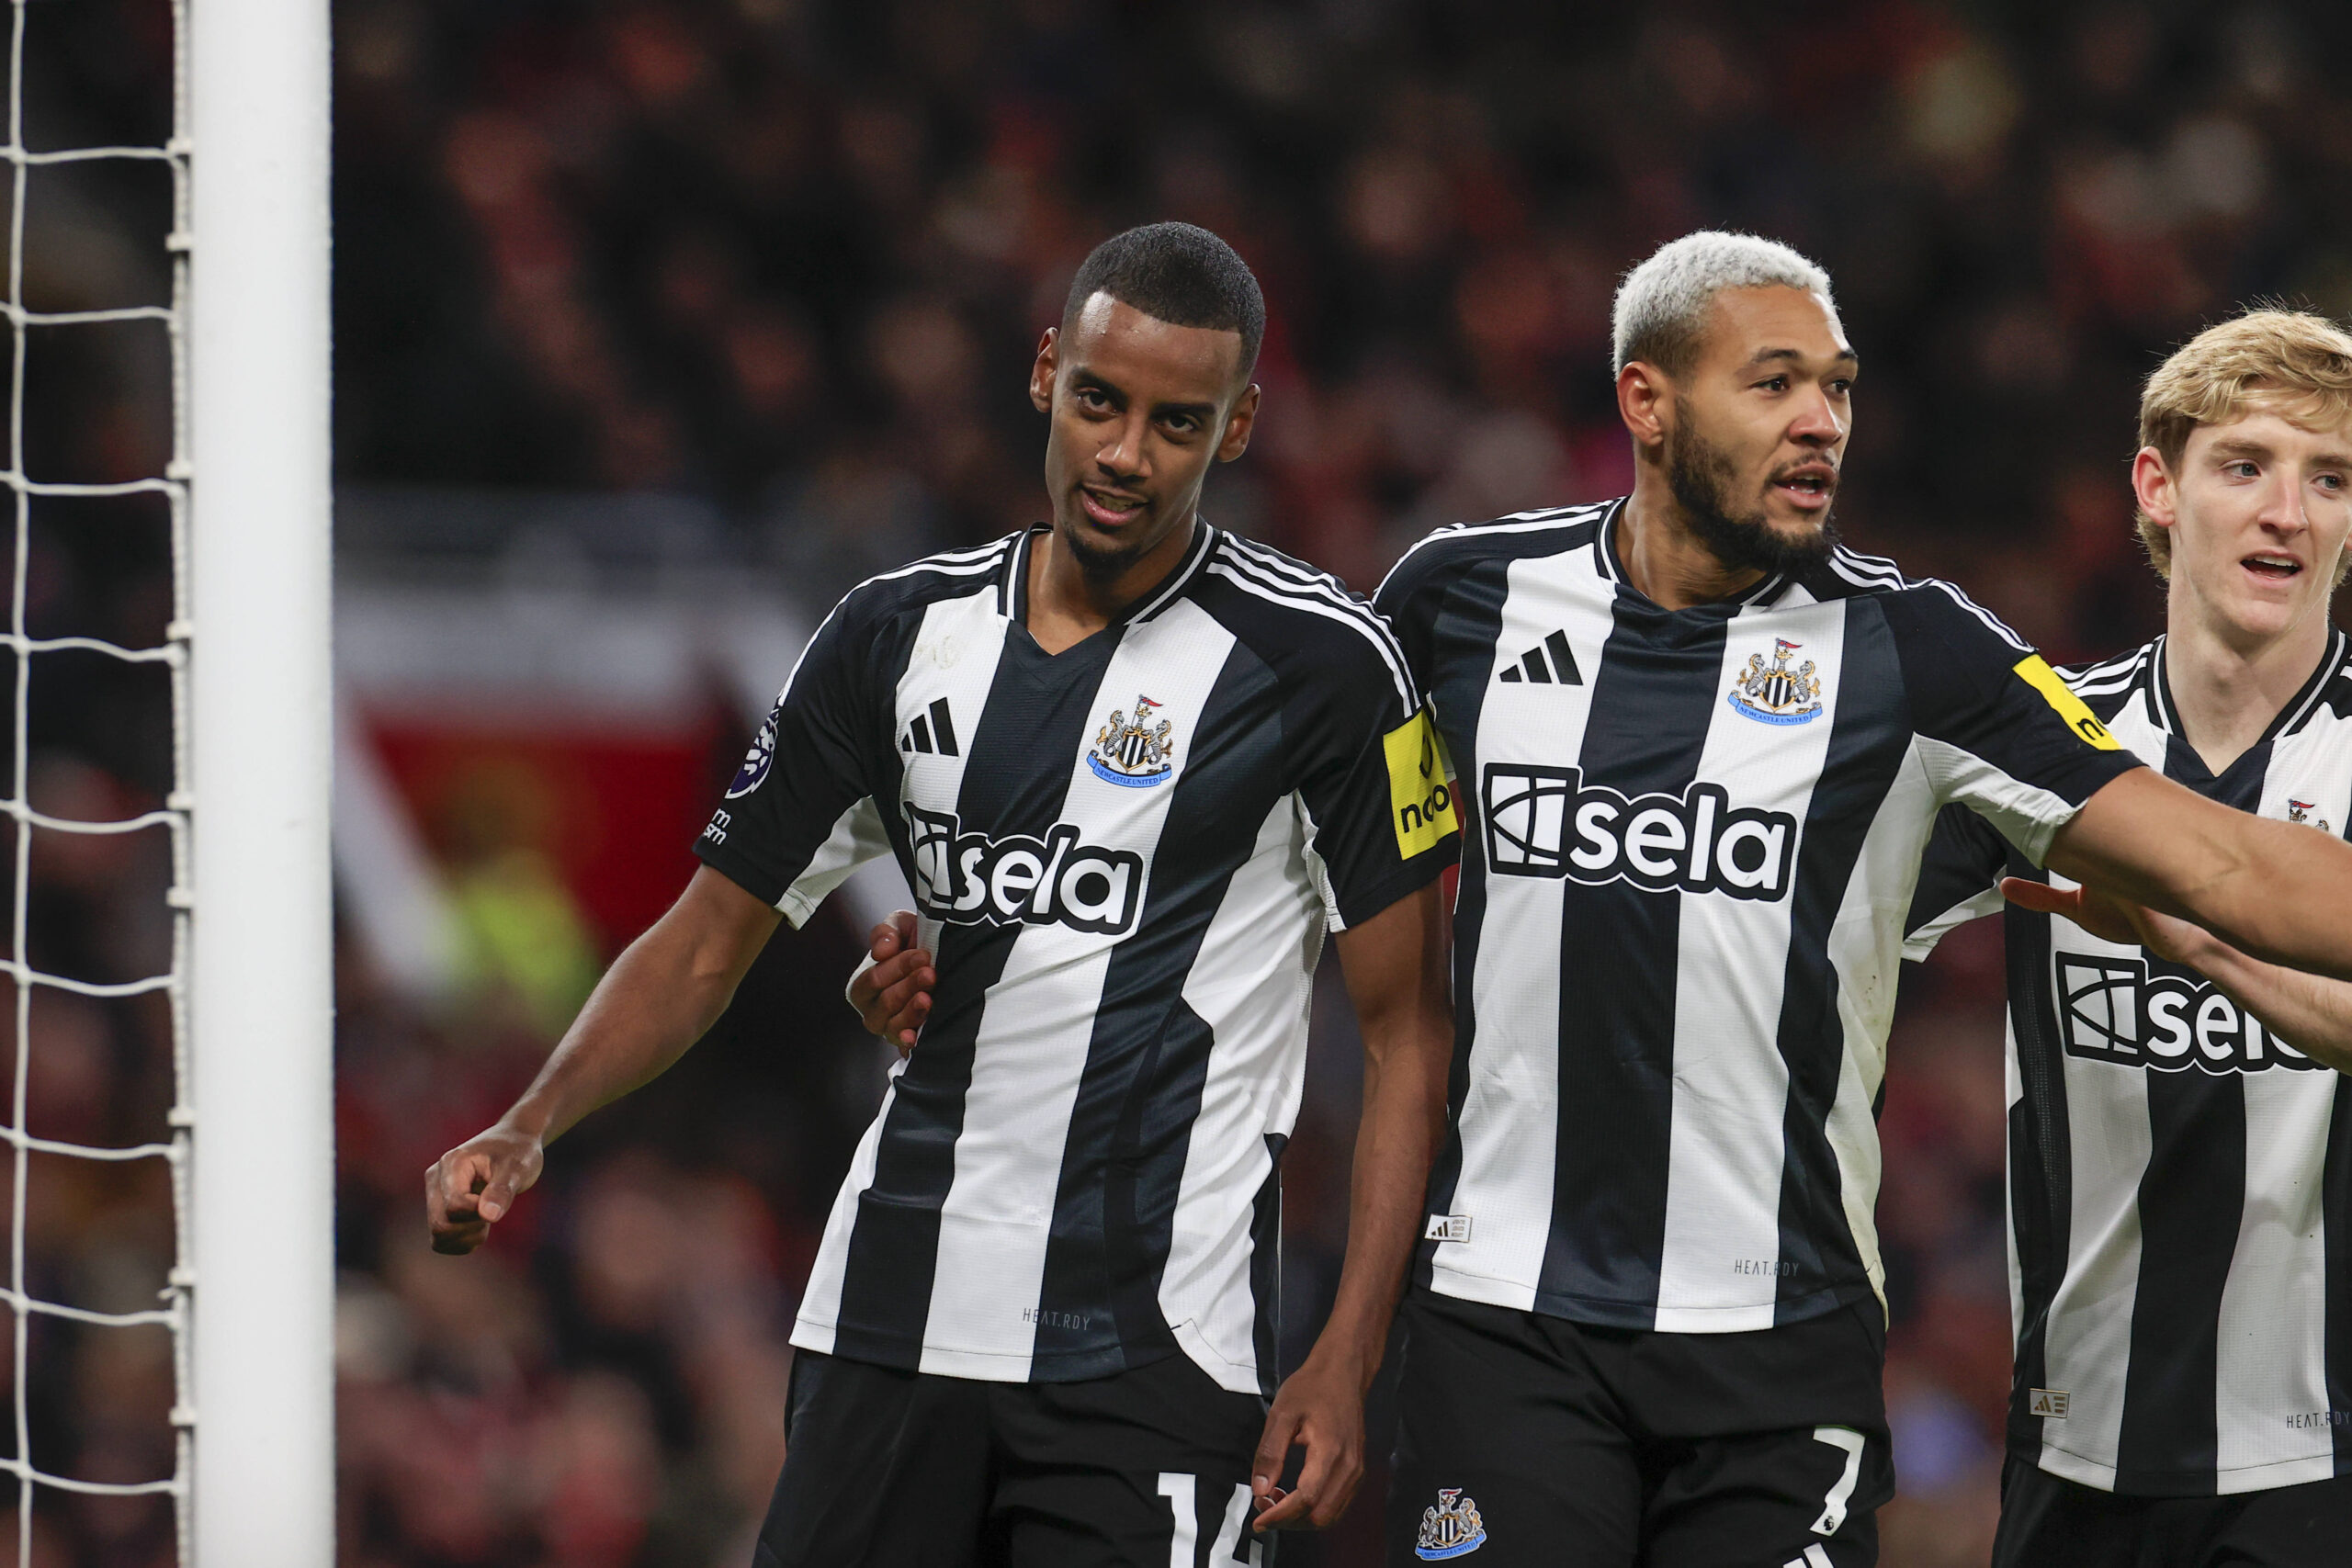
column 1450, row 1528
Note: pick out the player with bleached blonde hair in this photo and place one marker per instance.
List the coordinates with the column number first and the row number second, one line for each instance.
column 2180, row 1156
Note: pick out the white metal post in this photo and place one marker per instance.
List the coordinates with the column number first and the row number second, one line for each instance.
column 261, row 760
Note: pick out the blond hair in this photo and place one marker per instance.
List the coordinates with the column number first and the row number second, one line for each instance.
column 2296, row 364
column 1661, row 307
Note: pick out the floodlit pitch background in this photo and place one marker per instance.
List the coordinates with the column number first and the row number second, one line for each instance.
column 659, row 325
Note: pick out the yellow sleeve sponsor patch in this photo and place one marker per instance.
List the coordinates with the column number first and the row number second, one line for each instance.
column 2036, row 672
column 1421, row 799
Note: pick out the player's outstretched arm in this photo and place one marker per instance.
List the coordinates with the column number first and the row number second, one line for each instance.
column 2310, row 1012
column 665, row 990
column 1395, row 969
column 2275, row 890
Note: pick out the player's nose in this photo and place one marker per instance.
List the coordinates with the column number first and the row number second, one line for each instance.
column 1123, row 455
column 1816, row 422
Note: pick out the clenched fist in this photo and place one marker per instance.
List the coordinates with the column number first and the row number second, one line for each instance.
column 471, row 1188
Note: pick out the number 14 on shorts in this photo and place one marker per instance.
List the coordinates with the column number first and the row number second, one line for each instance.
column 1183, row 1495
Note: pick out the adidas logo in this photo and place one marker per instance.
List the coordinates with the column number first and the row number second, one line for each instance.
column 931, row 736
column 1561, row 668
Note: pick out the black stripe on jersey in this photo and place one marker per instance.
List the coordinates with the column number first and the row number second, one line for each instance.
column 2193, row 1200
column 1469, row 622
column 1275, row 577
column 1646, row 729
column 1038, row 705
column 1139, row 1092
column 1871, row 736
column 1266, row 1265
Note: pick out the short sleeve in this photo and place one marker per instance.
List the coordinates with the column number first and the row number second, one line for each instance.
column 1960, row 879
column 1997, row 729
column 798, row 816
column 1408, row 600
column 1375, row 792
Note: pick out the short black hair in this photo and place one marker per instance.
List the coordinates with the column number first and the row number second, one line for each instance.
column 1177, row 273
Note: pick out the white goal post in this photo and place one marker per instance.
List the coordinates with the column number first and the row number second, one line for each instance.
column 254, row 124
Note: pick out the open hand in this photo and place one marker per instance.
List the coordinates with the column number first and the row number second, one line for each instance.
column 894, row 997
column 2111, row 918
column 1321, row 1411
column 472, row 1187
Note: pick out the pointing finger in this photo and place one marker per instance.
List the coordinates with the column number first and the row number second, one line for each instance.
column 2040, row 896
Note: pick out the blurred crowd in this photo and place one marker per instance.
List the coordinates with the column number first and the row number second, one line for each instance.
column 792, row 258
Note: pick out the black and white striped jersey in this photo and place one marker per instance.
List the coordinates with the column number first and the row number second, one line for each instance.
column 1125, row 857
column 2180, row 1177
column 1681, row 906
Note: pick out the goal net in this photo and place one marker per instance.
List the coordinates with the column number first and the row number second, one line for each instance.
column 228, row 849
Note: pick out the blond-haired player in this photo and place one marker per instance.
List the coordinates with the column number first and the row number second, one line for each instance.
column 2180, row 1145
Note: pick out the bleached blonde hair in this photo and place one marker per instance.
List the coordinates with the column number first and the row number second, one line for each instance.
column 1661, row 308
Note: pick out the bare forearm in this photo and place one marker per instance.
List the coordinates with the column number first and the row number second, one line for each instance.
column 661, row 996
column 2290, row 906
column 1395, row 968
column 2310, row 1012
column 2280, row 892
column 638, row 1021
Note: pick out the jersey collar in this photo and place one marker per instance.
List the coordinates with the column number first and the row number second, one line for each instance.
column 1013, row 587
column 2289, row 717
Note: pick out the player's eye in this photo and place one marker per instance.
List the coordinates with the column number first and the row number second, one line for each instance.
column 1773, row 383
column 1180, row 423
column 1842, row 386
column 2333, row 483
column 1094, row 400
column 2241, row 468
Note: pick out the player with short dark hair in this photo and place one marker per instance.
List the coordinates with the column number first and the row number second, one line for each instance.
column 1134, row 768
column 2181, row 1153
column 1704, row 747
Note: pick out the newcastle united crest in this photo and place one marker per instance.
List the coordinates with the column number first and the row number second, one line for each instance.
column 1774, row 693
column 1133, row 753
column 2300, row 811
column 1450, row 1528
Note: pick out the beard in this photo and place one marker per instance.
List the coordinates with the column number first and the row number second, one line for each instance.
column 1702, row 474
column 1099, row 565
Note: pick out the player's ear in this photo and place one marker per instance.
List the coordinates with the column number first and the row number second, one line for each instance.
column 1041, row 373
column 1643, row 396
column 2153, row 486
column 1237, row 425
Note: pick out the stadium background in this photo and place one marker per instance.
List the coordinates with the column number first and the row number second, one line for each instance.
column 658, row 325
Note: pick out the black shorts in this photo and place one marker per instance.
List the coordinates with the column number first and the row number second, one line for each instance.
column 1530, row 1439
column 2048, row 1522
column 908, row 1470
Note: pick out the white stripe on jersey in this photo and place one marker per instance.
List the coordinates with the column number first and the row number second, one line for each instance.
column 1029, row 1057
column 1864, row 951
column 2087, row 1342
column 953, row 660
column 857, row 838
column 1254, row 997
column 1510, row 1122
column 2273, row 1348
column 1722, row 1190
